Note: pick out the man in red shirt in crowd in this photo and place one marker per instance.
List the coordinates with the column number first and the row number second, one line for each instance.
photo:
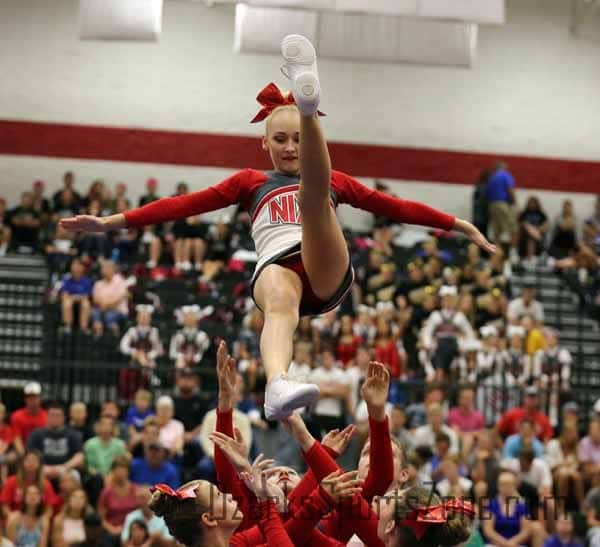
column 509, row 423
column 30, row 417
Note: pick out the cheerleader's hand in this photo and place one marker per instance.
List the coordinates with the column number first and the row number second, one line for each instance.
column 474, row 235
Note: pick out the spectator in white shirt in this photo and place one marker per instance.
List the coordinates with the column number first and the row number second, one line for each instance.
column 334, row 383
column 442, row 335
column 425, row 435
column 526, row 304
column 452, row 483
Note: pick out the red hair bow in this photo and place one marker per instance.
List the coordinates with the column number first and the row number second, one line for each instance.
column 179, row 494
column 271, row 98
column 421, row 518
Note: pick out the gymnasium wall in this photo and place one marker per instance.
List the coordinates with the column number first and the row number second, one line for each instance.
column 533, row 93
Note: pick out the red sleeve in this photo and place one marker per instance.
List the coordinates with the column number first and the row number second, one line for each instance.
column 354, row 193
column 301, row 525
column 320, row 462
column 227, row 477
column 306, row 486
column 232, row 190
column 271, row 527
column 381, row 460
column 352, row 517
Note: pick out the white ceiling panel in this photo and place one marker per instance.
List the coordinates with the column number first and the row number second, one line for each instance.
column 260, row 30
column 120, row 19
column 396, row 39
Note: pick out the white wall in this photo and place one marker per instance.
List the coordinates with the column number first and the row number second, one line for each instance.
column 534, row 90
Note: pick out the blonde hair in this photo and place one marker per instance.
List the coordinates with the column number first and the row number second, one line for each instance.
column 143, row 395
column 268, row 119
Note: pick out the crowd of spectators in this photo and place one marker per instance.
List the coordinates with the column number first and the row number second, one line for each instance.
column 480, row 395
column 567, row 243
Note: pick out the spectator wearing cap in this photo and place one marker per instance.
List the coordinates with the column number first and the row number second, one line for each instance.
column 189, row 344
column 526, row 304
column 525, row 437
column 465, row 420
column 60, row 446
column 443, row 334
column 101, row 450
column 110, row 299
column 118, row 498
column 171, row 430
column 78, row 420
column 153, row 467
column 75, row 293
column 509, row 423
column 588, row 450
column 25, row 225
column 157, row 528
column 30, row 417
column 561, row 456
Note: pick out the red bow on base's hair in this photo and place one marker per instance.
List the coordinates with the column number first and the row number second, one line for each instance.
column 179, row 494
column 420, row 519
column 271, row 98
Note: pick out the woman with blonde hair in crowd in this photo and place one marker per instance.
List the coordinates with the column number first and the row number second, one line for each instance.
column 68, row 525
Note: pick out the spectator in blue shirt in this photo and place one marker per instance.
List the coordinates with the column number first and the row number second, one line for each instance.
column 76, row 290
column 525, row 437
column 154, row 468
column 563, row 537
column 139, row 411
column 501, row 197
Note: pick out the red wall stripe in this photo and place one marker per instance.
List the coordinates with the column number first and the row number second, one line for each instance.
column 214, row 150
